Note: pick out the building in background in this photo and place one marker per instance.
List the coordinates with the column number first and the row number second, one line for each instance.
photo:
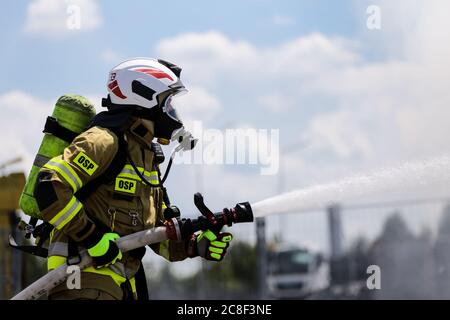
column 11, row 265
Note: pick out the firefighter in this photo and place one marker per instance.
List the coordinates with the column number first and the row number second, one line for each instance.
column 140, row 110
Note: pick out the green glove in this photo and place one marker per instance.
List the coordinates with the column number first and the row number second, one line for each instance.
column 105, row 252
column 213, row 247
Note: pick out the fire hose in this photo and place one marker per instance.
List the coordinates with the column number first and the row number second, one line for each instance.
column 175, row 229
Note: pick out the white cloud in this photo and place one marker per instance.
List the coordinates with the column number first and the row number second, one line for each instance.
column 280, row 75
column 276, row 102
column 59, row 18
column 399, row 106
column 197, row 104
column 340, row 132
column 22, row 120
column 211, row 57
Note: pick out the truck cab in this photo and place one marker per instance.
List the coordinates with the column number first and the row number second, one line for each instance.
column 296, row 273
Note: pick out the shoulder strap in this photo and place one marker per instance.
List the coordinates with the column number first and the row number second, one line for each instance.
column 55, row 128
column 110, row 173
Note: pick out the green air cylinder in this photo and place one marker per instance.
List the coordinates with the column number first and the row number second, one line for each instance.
column 72, row 112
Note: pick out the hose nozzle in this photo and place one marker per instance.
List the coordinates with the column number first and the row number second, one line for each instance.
column 181, row 229
column 242, row 212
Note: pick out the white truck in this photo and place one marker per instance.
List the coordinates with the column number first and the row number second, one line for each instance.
column 296, row 273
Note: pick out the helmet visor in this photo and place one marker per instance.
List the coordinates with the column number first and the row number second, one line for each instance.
column 169, row 108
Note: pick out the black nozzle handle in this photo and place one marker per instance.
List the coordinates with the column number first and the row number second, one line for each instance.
column 204, row 210
column 241, row 213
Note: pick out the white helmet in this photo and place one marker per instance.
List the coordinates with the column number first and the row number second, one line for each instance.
column 140, row 81
column 147, row 85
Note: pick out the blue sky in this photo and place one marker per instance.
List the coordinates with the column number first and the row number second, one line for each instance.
column 73, row 62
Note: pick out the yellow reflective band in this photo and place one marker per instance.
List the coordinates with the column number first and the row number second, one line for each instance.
column 118, row 279
column 65, row 215
column 54, row 262
column 133, row 286
column 85, row 163
column 129, row 172
column 125, row 185
column 215, row 250
column 164, row 206
column 66, row 171
column 128, row 175
column 164, row 249
column 154, row 177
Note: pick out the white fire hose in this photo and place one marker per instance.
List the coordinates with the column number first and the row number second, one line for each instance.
column 57, row 276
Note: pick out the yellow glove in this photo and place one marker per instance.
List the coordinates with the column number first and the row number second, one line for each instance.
column 211, row 246
column 105, row 252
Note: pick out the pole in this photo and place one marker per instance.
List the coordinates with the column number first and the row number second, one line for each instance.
column 261, row 250
column 335, row 238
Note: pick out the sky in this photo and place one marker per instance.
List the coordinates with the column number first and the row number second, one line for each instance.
column 345, row 99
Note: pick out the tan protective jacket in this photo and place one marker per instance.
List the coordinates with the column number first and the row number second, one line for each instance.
column 124, row 206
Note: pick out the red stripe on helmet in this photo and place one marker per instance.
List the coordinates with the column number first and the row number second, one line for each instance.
column 114, row 86
column 155, row 73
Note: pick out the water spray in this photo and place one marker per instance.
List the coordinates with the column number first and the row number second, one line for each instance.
column 411, row 174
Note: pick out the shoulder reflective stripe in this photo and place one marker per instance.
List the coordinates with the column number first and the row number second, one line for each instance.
column 66, row 171
column 118, row 279
column 58, row 249
column 164, row 249
column 54, row 262
column 65, row 215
